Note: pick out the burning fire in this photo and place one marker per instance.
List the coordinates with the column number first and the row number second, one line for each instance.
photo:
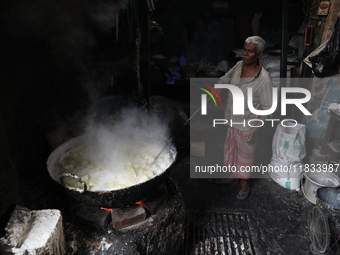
column 111, row 209
column 107, row 209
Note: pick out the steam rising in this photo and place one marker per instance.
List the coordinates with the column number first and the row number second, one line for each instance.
column 126, row 133
column 117, row 150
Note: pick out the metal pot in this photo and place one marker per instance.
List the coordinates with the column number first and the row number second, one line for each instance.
column 111, row 199
column 328, row 199
column 315, row 180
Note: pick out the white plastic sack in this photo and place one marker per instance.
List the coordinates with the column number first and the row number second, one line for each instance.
column 286, row 175
column 288, row 152
column 289, row 143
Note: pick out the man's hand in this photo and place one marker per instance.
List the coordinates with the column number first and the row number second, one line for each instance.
column 247, row 138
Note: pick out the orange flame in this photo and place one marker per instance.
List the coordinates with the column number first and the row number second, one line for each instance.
column 111, row 209
column 107, row 209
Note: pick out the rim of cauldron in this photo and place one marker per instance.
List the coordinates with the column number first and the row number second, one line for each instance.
column 96, row 198
column 321, row 194
column 173, row 148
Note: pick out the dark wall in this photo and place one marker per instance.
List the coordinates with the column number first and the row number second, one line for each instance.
column 191, row 30
column 210, row 29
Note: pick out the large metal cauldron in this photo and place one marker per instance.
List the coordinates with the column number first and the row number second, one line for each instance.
column 112, row 199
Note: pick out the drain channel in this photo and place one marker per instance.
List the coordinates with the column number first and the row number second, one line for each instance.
column 219, row 233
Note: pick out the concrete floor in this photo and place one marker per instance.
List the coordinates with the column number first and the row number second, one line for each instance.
column 279, row 217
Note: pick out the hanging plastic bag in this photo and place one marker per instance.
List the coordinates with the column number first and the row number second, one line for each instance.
column 326, row 62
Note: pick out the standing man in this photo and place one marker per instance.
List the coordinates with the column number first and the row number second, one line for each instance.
column 240, row 144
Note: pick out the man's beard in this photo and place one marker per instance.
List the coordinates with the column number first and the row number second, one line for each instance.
column 248, row 62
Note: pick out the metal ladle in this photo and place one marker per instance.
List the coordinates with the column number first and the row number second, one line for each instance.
column 170, row 140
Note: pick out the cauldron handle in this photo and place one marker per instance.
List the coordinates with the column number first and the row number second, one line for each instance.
column 77, row 178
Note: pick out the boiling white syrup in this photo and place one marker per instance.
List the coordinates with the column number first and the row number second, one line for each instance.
column 105, row 175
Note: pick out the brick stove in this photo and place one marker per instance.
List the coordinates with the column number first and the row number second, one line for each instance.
column 125, row 216
column 154, row 225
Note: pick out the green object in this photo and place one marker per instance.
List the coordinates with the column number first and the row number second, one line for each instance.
column 286, row 145
column 301, row 145
column 287, row 185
